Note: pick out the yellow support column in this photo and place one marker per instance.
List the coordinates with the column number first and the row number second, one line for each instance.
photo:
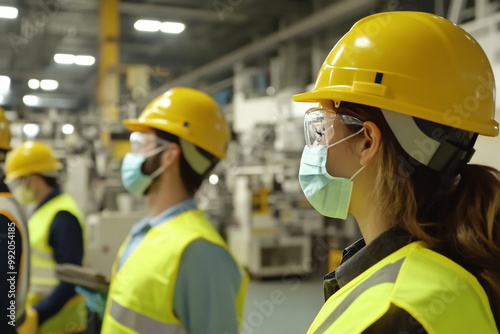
column 108, row 85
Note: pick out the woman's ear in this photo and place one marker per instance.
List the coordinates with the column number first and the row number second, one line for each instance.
column 370, row 145
column 170, row 155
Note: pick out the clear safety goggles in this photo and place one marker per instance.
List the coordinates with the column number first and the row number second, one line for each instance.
column 320, row 125
column 22, row 181
column 146, row 142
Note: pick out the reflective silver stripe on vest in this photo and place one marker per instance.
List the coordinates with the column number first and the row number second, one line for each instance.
column 42, row 255
column 43, row 272
column 43, row 290
column 140, row 322
column 386, row 274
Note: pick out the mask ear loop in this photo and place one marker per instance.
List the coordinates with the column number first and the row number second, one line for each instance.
column 359, row 171
column 348, row 137
column 157, row 150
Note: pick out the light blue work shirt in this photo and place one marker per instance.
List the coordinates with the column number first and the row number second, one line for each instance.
column 207, row 283
column 140, row 229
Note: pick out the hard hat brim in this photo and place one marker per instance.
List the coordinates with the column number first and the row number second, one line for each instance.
column 134, row 125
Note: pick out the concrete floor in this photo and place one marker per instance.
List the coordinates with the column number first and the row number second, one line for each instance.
column 278, row 306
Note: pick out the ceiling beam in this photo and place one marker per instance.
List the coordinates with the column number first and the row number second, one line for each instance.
column 160, row 11
column 328, row 17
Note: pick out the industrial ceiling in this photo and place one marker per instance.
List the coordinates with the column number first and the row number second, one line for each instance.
column 218, row 33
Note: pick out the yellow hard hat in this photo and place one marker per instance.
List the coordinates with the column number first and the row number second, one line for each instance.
column 30, row 157
column 5, row 134
column 414, row 63
column 188, row 114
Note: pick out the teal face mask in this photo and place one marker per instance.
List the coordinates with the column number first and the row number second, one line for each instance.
column 329, row 195
column 133, row 179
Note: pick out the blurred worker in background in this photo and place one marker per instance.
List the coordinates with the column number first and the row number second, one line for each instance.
column 175, row 272
column 14, row 245
column 402, row 98
column 56, row 232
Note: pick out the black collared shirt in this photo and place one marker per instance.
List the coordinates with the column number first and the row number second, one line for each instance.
column 359, row 257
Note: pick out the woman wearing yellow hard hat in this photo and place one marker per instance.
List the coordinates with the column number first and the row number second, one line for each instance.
column 401, row 99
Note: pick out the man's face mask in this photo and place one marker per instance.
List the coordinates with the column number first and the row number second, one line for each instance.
column 22, row 190
column 143, row 146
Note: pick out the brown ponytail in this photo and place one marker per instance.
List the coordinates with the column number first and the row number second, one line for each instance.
column 474, row 208
column 458, row 217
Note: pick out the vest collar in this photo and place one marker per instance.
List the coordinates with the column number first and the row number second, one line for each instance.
column 359, row 257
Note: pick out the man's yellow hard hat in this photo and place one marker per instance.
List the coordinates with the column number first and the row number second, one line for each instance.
column 188, row 114
column 414, row 63
column 30, row 157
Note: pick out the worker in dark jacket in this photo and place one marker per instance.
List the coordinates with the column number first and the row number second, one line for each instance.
column 56, row 236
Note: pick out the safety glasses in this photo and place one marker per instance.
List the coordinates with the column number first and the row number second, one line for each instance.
column 320, row 125
column 145, row 142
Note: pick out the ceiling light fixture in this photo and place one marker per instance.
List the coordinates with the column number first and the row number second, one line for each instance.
column 30, row 100
column 8, row 12
column 4, row 83
column 34, row 84
column 147, row 25
column 154, row 26
column 49, row 84
column 172, row 27
column 84, row 60
column 62, row 58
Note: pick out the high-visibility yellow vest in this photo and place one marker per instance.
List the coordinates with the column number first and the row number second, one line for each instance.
column 72, row 318
column 141, row 296
column 11, row 209
column 441, row 295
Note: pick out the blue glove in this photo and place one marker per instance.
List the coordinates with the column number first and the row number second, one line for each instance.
column 95, row 301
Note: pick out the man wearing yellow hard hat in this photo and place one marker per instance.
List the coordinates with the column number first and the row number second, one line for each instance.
column 56, row 236
column 174, row 273
column 14, row 246
column 402, row 98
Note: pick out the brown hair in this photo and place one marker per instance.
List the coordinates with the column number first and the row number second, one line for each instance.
column 458, row 217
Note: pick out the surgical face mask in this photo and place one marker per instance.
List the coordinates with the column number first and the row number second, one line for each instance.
column 134, row 180
column 329, row 195
column 23, row 193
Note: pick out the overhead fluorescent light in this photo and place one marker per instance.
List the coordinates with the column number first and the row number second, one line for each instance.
column 84, row 60
column 31, row 130
column 172, row 27
column 4, row 83
column 68, row 129
column 8, row 12
column 30, row 100
column 49, row 84
column 147, row 25
column 34, row 84
column 62, row 58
